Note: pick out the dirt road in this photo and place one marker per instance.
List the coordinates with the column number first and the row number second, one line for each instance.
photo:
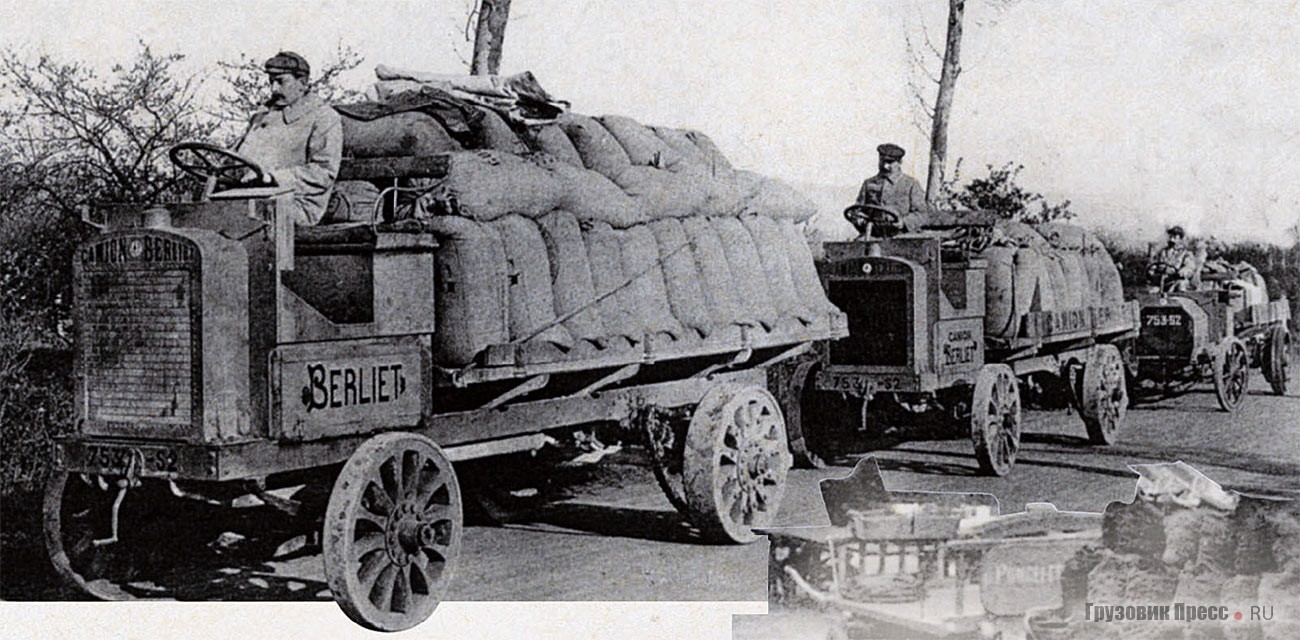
column 610, row 534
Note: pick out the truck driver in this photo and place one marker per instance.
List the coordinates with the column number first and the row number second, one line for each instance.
column 1175, row 261
column 297, row 138
column 895, row 190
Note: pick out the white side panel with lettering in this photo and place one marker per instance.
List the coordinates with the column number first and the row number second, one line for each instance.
column 341, row 388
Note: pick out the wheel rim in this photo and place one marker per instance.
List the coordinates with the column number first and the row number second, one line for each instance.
column 665, row 435
column 393, row 531
column 1279, row 361
column 737, row 460
column 76, row 512
column 995, row 420
column 1104, row 401
column 1232, row 376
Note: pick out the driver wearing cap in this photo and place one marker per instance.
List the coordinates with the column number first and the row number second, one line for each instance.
column 297, row 138
column 895, row 190
column 1175, row 261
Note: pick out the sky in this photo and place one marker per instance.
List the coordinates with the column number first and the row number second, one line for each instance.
column 1142, row 113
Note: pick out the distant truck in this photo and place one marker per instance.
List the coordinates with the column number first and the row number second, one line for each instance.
column 1219, row 330
column 948, row 321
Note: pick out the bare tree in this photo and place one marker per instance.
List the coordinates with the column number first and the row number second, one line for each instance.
column 943, row 102
column 934, row 121
column 489, row 37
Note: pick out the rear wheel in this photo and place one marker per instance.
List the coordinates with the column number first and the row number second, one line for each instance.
column 735, row 462
column 1277, row 359
column 995, row 419
column 1231, row 374
column 1103, row 394
column 392, row 531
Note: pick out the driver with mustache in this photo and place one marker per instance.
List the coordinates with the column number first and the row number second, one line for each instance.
column 297, row 138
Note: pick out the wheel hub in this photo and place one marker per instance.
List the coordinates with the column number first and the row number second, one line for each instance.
column 407, row 533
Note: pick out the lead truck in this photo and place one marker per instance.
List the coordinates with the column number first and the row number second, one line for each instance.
column 223, row 352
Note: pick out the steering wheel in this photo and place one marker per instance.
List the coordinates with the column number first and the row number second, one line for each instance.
column 208, row 161
column 864, row 216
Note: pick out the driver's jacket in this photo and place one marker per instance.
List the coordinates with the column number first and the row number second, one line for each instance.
column 1177, row 262
column 301, row 146
column 900, row 193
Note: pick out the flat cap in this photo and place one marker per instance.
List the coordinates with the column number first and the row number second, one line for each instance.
column 890, row 151
column 1176, row 231
column 288, row 62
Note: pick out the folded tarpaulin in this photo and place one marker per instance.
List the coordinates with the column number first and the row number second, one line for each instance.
column 518, row 97
column 459, row 117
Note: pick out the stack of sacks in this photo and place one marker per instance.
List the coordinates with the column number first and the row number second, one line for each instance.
column 1051, row 267
column 1186, row 540
column 615, row 237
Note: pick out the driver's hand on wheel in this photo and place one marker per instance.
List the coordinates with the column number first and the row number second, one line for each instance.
column 250, row 178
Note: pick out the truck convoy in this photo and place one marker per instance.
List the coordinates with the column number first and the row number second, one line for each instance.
column 493, row 270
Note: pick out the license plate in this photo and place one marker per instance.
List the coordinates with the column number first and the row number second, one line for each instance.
column 118, row 459
column 1164, row 320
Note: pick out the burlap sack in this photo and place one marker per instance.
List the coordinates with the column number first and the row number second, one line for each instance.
column 352, row 201
column 532, row 303
column 589, row 195
column 718, row 162
column 747, row 268
column 486, row 185
column 573, row 285
column 690, row 157
column 682, row 277
column 662, row 194
column 643, row 147
column 776, row 264
column 1075, row 295
column 470, row 304
column 600, row 151
column 776, row 199
column 1060, row 286
column 551, row 139
column 494, row 133
column 410, row 133
column 605, row 255
column 806, row 281
column 720, row 292
column 647, row 287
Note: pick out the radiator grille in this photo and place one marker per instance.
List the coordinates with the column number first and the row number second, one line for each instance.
column 139, row 347
column 1166, row 332
column 879, row 322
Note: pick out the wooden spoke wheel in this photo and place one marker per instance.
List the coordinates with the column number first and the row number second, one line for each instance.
column 735, row 462
column 665, row 431
column 995, row 419
column 1277, row 359
column 1231, row 373
column 1103, row 394
column 77, row 512
column 155, row 533
column 392, row 531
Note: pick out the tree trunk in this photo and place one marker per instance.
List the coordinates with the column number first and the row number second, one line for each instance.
column 943, row 103
column 489, row 36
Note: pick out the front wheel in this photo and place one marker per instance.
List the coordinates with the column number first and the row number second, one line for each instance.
column 1231, row 374
column 995, row 419
column 735, row 462
column 392, row 531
